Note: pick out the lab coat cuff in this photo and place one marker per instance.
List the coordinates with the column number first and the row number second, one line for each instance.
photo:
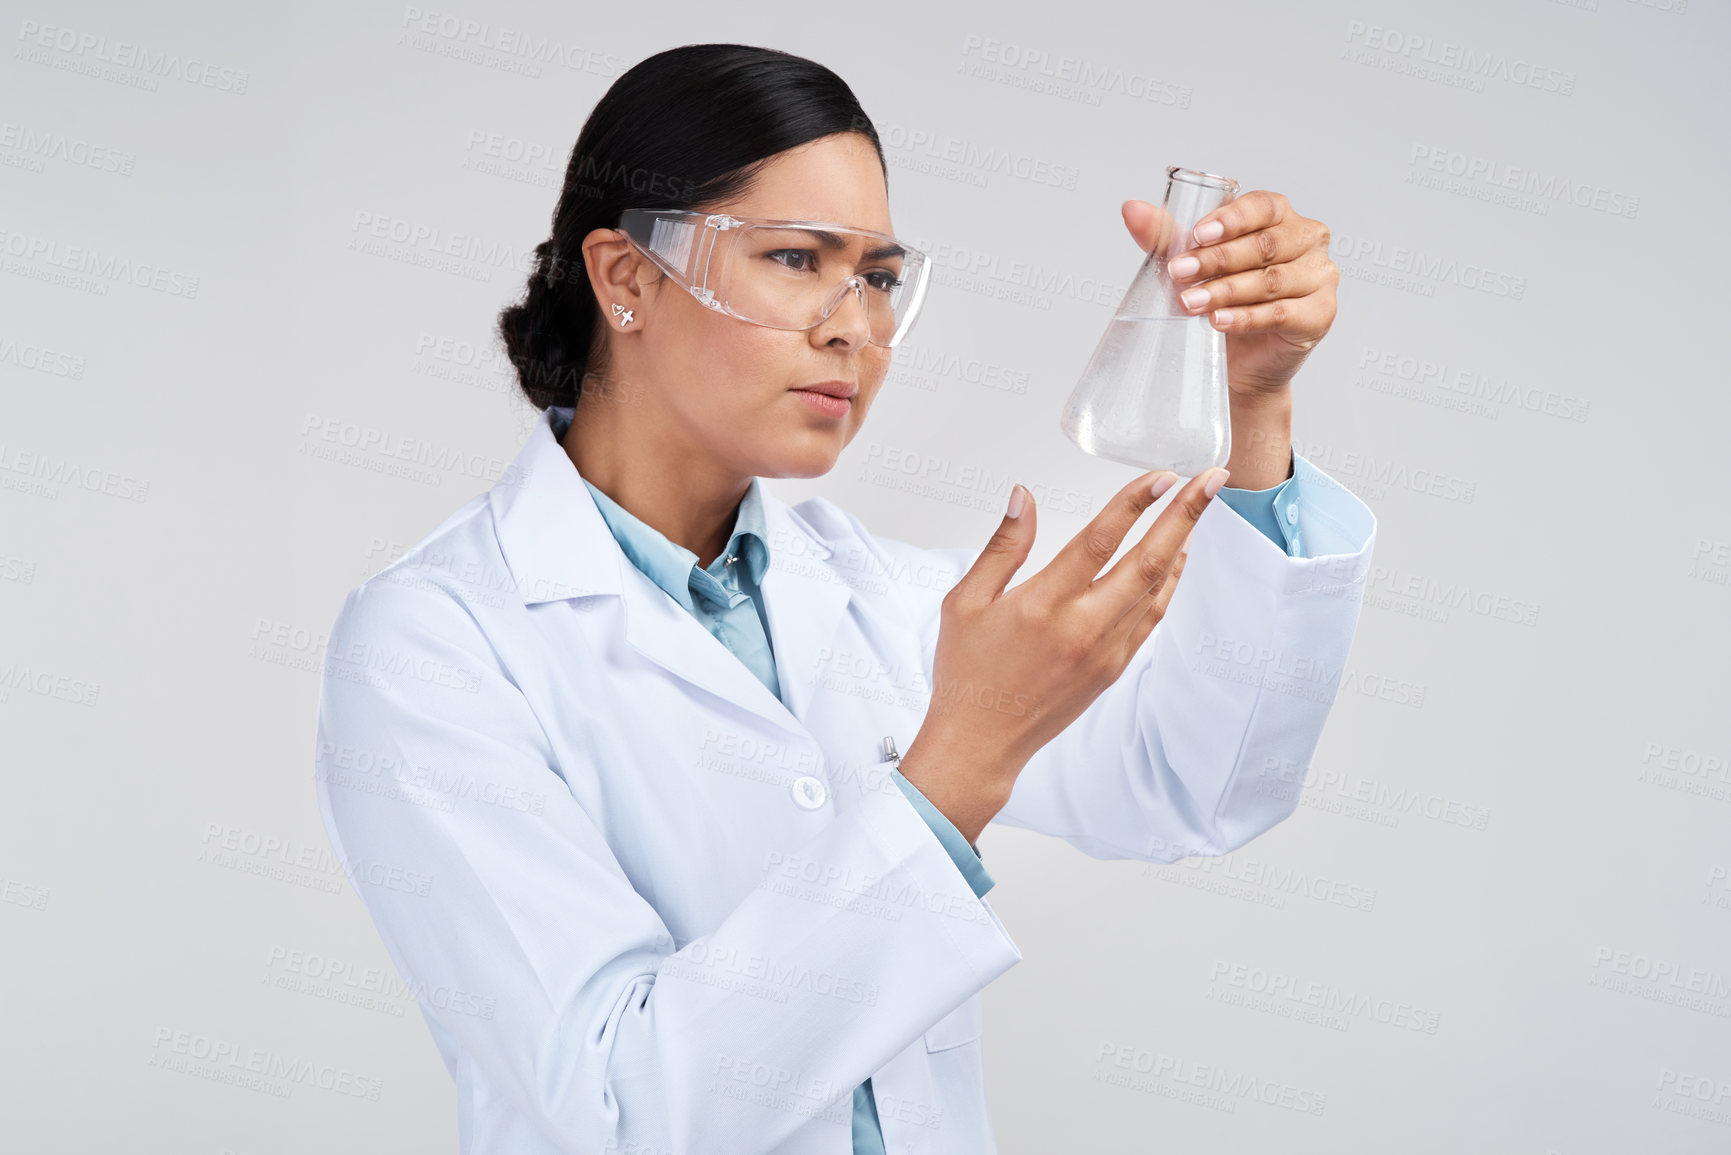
column 965, row 856
column 1338, row 532
column 1266, row 509
column 936, row 884
column 1336, row 528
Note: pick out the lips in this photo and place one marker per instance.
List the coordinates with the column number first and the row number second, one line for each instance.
column 831, row 388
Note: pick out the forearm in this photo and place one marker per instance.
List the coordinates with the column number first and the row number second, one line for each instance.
column 1261, row 440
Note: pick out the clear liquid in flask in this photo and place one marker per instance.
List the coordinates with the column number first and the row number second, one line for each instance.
column 1184, row 425
column 1155, row 394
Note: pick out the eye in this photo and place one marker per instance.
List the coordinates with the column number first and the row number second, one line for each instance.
column 883, row 281
column 807, row 254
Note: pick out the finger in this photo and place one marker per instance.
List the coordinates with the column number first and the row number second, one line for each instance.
column 1145, row 567
column 1289, row 240
column 1253, row 210
column 1150, row 609
column 1163, row 596
column 1149, row 224
column 1297, row 278
column 1003, row 554
column 1308, row 316
column 1084, row 555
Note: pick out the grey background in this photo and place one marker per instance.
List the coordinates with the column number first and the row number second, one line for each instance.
column 1516, row 822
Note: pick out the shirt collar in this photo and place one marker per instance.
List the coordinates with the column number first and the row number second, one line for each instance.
column 669, row 564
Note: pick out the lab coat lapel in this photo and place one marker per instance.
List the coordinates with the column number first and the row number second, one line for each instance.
column 803, row 610
column 804, row 597
column 661, row 630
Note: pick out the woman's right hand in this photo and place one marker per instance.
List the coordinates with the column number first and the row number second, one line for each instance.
column 1013, row 669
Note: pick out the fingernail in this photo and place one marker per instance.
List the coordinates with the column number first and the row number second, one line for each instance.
column 1194, row 298
column 1184, row 266
column 1017, row 498
column 1213, row 484
column 1209, row 231
column 1162, row 484
column 1223, row 316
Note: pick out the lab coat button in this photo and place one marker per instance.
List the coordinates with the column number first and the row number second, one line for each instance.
column 808, row 792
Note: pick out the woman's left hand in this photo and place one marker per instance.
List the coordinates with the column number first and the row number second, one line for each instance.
column 1270, row 283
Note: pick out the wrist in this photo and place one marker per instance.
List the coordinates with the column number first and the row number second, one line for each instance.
column 967, row 797
column 1262, row 455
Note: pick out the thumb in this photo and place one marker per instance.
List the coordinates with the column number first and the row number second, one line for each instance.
column 1004, row 553
column 1149, row 224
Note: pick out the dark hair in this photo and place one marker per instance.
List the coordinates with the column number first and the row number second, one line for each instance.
column 686, row 128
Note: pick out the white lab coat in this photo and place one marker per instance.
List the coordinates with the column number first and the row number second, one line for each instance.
column 593, row 844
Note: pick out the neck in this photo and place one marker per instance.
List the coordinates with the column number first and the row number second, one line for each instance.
column 668, row 482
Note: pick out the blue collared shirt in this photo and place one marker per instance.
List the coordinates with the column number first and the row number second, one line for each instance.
column 726, row 598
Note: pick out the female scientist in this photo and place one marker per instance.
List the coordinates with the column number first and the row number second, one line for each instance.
column 662, row 793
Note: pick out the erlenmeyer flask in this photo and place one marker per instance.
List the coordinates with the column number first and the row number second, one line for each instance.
column 1154, row 394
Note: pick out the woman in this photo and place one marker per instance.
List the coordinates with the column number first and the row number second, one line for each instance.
column 663, row 794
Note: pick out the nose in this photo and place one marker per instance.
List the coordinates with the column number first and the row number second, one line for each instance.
column 854, row 287
column 855, row 284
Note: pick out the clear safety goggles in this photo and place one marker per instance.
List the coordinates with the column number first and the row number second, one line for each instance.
column 785, row 274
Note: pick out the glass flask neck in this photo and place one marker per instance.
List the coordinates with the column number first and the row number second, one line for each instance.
column 1191, row 195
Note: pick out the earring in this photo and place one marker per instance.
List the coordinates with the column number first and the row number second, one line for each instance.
column 618, row 309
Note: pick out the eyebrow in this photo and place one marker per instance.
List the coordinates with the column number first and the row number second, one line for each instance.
column 832, row 241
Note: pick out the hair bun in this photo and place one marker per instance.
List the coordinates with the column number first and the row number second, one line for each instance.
column 538, row 334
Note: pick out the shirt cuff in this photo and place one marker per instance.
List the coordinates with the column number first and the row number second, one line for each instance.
column 1274, row 511
column 966, row 858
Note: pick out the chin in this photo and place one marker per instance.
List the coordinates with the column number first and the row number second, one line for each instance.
column 805, row 449
column 803, row 457
column 809, row 466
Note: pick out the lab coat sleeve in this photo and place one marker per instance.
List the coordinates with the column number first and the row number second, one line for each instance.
column 1203, row 741
column 531, row 951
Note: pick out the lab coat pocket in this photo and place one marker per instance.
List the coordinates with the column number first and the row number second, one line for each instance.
column 961, row 1025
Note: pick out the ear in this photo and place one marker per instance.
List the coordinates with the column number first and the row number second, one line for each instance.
column 618, row 273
